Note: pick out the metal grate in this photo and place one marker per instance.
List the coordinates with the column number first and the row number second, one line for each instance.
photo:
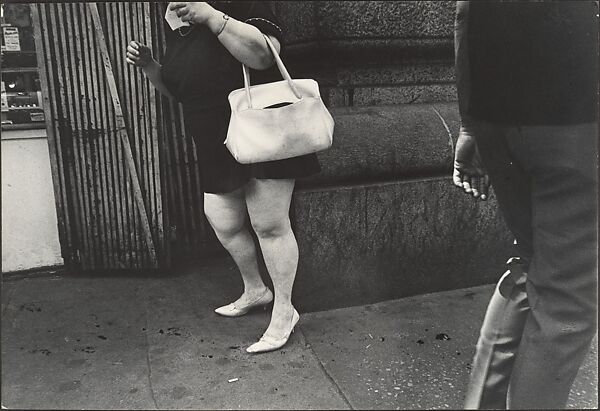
column 99, row 223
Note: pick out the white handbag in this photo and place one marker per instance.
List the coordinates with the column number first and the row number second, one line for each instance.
column 277, row 120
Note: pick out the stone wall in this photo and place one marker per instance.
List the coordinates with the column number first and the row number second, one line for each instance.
column 383, row 220
column 372, row 52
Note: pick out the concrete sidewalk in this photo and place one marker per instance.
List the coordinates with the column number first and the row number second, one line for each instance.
column 154, row 342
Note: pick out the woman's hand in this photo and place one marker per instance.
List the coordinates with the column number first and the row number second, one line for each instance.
column 244, row 41
column 141, row 56
column 138, row 54
column 194, row 12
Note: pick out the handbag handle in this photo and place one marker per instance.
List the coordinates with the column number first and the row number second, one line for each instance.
column 280, row 66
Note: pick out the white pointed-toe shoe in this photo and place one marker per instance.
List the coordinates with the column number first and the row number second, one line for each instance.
column 268, row 343
column 231, row 310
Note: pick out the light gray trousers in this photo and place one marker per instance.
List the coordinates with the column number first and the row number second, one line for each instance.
column 538, row 326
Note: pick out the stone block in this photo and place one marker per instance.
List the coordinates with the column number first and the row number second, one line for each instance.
column 388, row 143
column 431, row 72
column 377, row 96
column 298, row 20
column 353, row 30
column 396, row 19
column 303, row 21
column 325, row 53
column 357, row 85
column 376, row 242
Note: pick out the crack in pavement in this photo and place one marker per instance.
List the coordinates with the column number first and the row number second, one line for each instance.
column 327, row 375
column 148, row 364
column 150, row 370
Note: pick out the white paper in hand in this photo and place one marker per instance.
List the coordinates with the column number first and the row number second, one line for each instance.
column 174, row 21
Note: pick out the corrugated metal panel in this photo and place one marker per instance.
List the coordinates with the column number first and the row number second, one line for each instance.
column 100, row 226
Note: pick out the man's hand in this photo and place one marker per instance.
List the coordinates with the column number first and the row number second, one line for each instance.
column 469, row 173
column 194, row 12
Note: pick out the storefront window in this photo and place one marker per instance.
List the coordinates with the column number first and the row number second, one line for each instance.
column 21, row 91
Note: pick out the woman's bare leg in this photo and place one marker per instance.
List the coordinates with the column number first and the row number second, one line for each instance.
column 227, row 215
column 268, row 204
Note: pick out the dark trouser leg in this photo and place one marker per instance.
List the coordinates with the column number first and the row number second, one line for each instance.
column 563, row 275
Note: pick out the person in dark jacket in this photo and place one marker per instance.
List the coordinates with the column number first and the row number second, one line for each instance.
column 527, row 77
column 202, row 65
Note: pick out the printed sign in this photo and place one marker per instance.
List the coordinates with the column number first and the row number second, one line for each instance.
column 174, row 20
column 11, row 39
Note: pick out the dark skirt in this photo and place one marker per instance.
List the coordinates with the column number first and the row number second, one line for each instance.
column 219, row 171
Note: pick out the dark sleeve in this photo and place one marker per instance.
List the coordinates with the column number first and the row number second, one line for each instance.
column 463, row 80
column 260, row 14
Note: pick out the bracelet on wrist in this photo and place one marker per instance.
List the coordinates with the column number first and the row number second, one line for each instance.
column 225, row 20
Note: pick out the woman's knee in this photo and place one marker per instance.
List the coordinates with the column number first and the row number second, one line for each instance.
column 225, row 223
column 270, row 227
column 226, row 230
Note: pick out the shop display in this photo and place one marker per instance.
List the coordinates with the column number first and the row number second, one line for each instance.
column 21, row 92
